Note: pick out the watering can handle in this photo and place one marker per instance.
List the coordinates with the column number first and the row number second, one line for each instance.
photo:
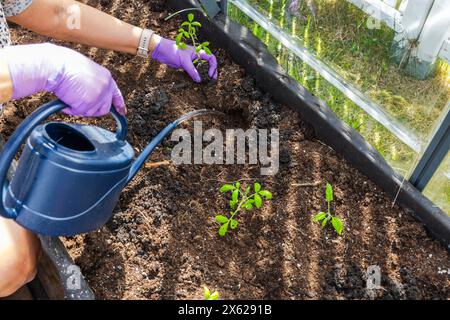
column 22, row 132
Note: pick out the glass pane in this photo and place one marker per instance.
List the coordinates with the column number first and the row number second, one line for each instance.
column 359, row 50
column 438, row 189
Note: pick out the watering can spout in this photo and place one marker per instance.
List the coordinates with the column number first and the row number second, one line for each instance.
column 140, row 160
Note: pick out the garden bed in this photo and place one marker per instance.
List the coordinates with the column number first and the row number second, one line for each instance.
column 162, row 242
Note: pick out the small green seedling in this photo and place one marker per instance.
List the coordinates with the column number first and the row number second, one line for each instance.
column 209, row 295
column 240, row 199
column 327, row 216
column 188, row 33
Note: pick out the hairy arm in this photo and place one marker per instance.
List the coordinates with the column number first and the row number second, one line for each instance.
column 73, row 21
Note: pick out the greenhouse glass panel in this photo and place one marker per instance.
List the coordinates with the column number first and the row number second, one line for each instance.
column 438, row 189
column 349, row 56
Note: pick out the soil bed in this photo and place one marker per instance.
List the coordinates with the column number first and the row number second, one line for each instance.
column 162, row 242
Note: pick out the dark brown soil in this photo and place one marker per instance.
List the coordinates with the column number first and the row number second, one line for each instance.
column 162, row 242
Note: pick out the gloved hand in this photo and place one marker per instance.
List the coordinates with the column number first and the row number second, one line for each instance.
column 82, row 84
column 167, row 52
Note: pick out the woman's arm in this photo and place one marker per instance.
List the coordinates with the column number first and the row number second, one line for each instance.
column 74, row 21
column 6, row 84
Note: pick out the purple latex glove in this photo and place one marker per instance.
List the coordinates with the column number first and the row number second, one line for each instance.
column 167, row 52
column 82, row 84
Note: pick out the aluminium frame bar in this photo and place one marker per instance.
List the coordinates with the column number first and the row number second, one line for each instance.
column 434, row 154
column 224, row 6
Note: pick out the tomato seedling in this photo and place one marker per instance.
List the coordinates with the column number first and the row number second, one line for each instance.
column 188, row 33
column 241, row 199
column 210, row 295
column 324, row 217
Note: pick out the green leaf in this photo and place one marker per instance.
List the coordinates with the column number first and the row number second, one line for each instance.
column 266, row 194
column 257, row 187
column 329, row 193
column 248, row 205
column 186, row 34
column 214, row 296
column 196, row 23
column 197, row 50
column 178, row 38
column 235, row 195
column 195, row 61
column 237, row 184
column 191, row 17
column 183, row 46
column 185, row 24
column 324, row 222
column 223, row 229
column 207, row 50
column 320, row 216
column 258, row 201
column 221, row 219
column 205, row 44
column 233, row 204
column 337, row 225
column 247, row 190
column 226, row 187
column 233, row 224
column 207, row 292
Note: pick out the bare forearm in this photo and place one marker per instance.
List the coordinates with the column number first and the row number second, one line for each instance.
column 74, row 21
column 6, row 85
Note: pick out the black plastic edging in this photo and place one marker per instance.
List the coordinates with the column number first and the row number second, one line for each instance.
column 71, row 280
column 37, row 290
column 248, row 51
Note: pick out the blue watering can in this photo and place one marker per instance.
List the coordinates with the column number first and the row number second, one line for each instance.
column 70, row 176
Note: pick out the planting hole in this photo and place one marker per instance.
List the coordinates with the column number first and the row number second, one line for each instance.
column 68, row 137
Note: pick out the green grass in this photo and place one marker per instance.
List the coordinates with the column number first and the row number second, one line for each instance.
column 438, row 189
column 339, row 36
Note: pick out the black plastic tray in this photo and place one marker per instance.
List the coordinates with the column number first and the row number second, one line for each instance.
column 58, row 277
